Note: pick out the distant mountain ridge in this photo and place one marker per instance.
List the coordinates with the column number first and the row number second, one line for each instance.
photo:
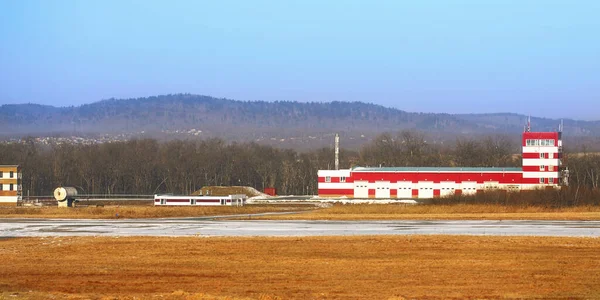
column 233, row 119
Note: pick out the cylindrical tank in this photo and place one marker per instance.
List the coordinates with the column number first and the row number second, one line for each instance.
column 64, row 192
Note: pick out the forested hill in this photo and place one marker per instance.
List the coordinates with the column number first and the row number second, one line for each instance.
column 230, row 119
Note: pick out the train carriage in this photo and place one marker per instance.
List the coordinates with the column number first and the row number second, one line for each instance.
column 175, row 200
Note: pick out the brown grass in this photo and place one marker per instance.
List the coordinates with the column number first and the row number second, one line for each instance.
column 551, row 198
column 446, row 212
column 134, row 212
column 378, row 267
column 336, row 212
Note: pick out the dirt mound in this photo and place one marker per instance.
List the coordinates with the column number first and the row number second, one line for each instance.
column 228, row 190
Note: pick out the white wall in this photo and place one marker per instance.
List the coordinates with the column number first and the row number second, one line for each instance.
column 8, row 199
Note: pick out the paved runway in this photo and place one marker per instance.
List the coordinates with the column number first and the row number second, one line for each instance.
column 204, row 227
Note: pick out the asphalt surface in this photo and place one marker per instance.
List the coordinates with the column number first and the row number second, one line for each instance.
column 208, row 227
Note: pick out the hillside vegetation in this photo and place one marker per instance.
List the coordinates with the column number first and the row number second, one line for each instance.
column 195, row 116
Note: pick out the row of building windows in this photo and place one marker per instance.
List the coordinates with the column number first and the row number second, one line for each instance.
column 343, row 179
column 10, row 187
column 11, row 174
column 542, row 142
column 328, row 178
column 550, row 180
column 543, row 168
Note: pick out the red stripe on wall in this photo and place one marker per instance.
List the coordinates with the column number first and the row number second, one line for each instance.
column 531, row 181
column 415, row 177
column 540, row 135
column 336, row 191
column 537, row 169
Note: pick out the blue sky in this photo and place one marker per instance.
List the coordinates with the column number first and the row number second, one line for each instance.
column 532, row 57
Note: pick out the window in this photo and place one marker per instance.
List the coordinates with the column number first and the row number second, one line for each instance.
column 541, row 180
column 12, row 174
column 541, row 143
column 550, row 180
column 542, row 168
column 11, row 187
column 1, row 174
column 550, row 168
column 343, row 179
column 327, row 178
column 1, row 187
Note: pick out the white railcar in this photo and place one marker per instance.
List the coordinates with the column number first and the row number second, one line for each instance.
column 172, row 200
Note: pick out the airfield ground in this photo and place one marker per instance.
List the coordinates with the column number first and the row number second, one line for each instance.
column 372, row 267
column 345, row 267
column 312, row 212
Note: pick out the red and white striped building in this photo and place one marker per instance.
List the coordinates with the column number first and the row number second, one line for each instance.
column 541, row 168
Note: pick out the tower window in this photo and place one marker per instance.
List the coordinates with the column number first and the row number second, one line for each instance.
column 343, row 179
column 327, row 178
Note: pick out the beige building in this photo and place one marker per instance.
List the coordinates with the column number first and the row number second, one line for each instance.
column 10, row 184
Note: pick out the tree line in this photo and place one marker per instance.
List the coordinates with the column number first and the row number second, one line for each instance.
column 147, row 166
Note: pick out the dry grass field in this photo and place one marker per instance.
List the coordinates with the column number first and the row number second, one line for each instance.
column 444, row 212
column 376, row 267
column 136, row 212
column 336, row 212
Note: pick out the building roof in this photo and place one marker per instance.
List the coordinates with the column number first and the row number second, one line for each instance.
column 434, row 169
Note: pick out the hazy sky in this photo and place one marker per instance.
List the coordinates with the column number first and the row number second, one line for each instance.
column 525, row 56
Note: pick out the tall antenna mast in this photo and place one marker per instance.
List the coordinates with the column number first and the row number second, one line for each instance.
column 561, row 125
column 337, row 151
column 528, row 124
